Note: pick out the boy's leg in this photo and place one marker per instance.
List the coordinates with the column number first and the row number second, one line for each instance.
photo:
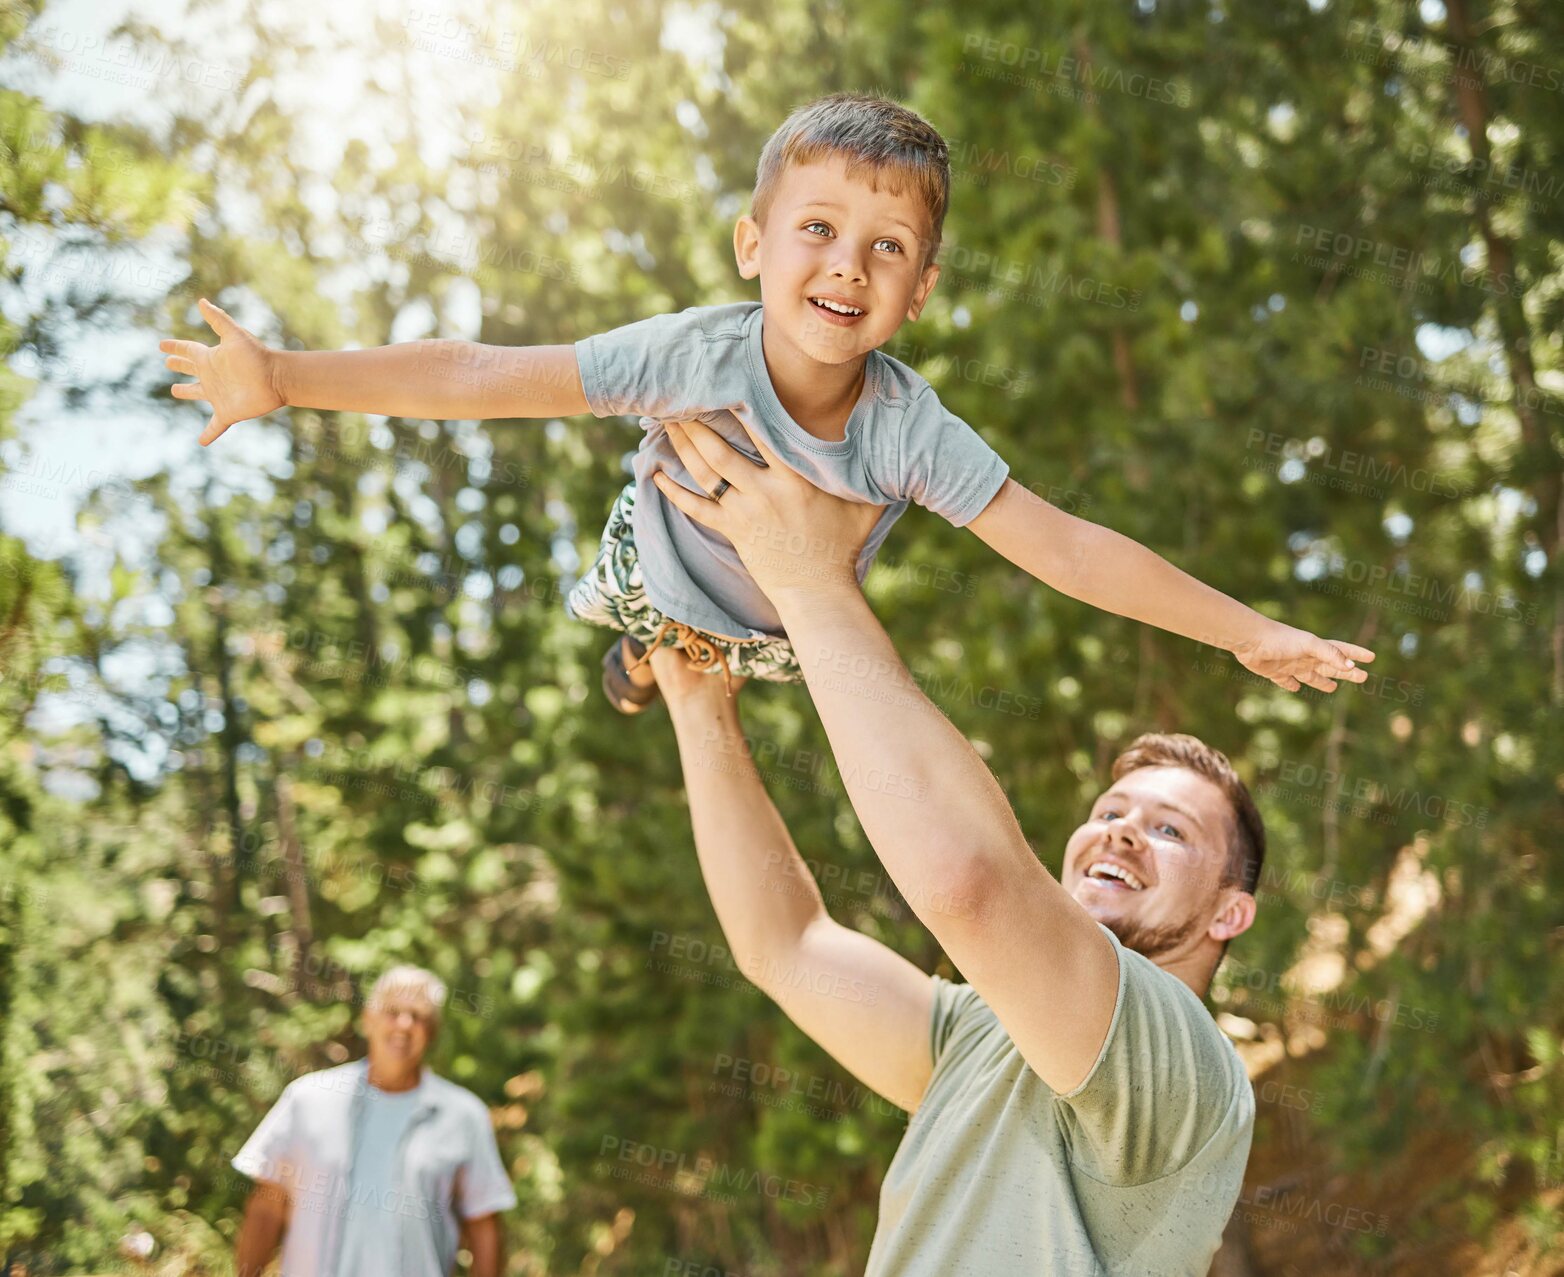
column 610, row 593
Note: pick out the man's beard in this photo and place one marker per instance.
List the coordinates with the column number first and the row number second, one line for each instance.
column 1151, row 942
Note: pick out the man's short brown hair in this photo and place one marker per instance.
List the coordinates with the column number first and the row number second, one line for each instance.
column 1246, row 847
column 871, row 134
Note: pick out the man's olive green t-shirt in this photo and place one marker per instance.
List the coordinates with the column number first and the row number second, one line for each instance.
column 1134, row 1172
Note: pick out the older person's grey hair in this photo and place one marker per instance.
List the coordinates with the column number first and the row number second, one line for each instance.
column 873, row 135
column 405, row 980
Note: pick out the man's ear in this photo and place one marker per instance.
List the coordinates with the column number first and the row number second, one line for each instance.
column 746, row 246
column 925, row 286
column 1235, row 917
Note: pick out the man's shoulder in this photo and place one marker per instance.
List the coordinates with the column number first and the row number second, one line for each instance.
column 961, row 1016
column 454, row 1098
column 1146, row 993
column 1143, row 980
column 342, row 1079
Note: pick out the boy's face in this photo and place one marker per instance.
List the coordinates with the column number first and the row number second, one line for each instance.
column 833, row 239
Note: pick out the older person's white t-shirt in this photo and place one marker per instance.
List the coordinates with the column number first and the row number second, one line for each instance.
column 445, row 1167
column 368, row 1244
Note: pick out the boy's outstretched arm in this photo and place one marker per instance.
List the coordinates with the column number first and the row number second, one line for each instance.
column 1110, row 571
column 443, row 380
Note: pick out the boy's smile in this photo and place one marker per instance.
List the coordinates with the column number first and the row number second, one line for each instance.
column 840, row 260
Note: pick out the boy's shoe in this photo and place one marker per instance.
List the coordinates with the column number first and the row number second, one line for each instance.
column 623, row 694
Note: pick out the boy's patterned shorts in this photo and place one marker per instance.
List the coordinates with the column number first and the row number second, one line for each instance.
column 611, row 594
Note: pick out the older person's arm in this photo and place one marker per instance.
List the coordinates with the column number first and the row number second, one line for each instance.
column 483, row 1240
column 260, row 1235
column 954, row 851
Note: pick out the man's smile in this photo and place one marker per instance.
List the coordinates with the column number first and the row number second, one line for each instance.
column 1113, row 875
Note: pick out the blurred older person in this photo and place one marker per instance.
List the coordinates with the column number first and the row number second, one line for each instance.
column 376, row 1168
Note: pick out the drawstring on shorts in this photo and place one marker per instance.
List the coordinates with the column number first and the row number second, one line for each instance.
column 702, row 653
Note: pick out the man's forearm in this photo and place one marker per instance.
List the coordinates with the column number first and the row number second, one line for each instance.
column 759, row 885
column 931, row 808
column 437, row 379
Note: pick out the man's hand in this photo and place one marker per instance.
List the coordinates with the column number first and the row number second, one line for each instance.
column 237, row 376
column 1292, row 657
column 766, row 510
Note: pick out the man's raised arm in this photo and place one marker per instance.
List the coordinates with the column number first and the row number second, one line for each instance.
column 867, row 1006
column 945, row 832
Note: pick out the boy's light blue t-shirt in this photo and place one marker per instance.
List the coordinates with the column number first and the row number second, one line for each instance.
column 901, row 446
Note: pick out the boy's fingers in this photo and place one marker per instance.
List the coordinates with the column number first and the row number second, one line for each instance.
column 185, row 348
column 222, row 323
column 1353, row 651
column 187, row 390
column 1286, row 682
column 1320, row 682
column 701, row 509
column 213, row 430
column 178, row 363
column 1336, row 660
column 1329, row 657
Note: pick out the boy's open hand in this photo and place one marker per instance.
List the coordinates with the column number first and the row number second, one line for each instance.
column 237, row 376
column 1292, row 657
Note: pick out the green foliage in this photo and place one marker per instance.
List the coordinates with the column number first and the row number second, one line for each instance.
column 334, row 715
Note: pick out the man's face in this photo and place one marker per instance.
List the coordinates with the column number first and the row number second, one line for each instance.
column 1149, row 861
column 833, row 239
column 399, row 1027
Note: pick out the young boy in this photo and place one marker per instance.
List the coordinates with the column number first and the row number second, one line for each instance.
column 848, row 210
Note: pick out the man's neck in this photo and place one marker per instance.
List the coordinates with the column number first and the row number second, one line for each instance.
column 1194, row 968
column 384, row 1078
column 820, row 397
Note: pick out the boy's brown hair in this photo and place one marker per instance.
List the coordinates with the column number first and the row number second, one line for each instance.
column 870, row 133
column 1246, row 851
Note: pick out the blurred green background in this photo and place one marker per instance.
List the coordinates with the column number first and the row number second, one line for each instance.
column 1276, row 289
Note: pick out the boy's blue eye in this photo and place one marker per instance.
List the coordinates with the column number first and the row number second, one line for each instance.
column 809, row 226
column 894, row 246
column 1172, row 831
